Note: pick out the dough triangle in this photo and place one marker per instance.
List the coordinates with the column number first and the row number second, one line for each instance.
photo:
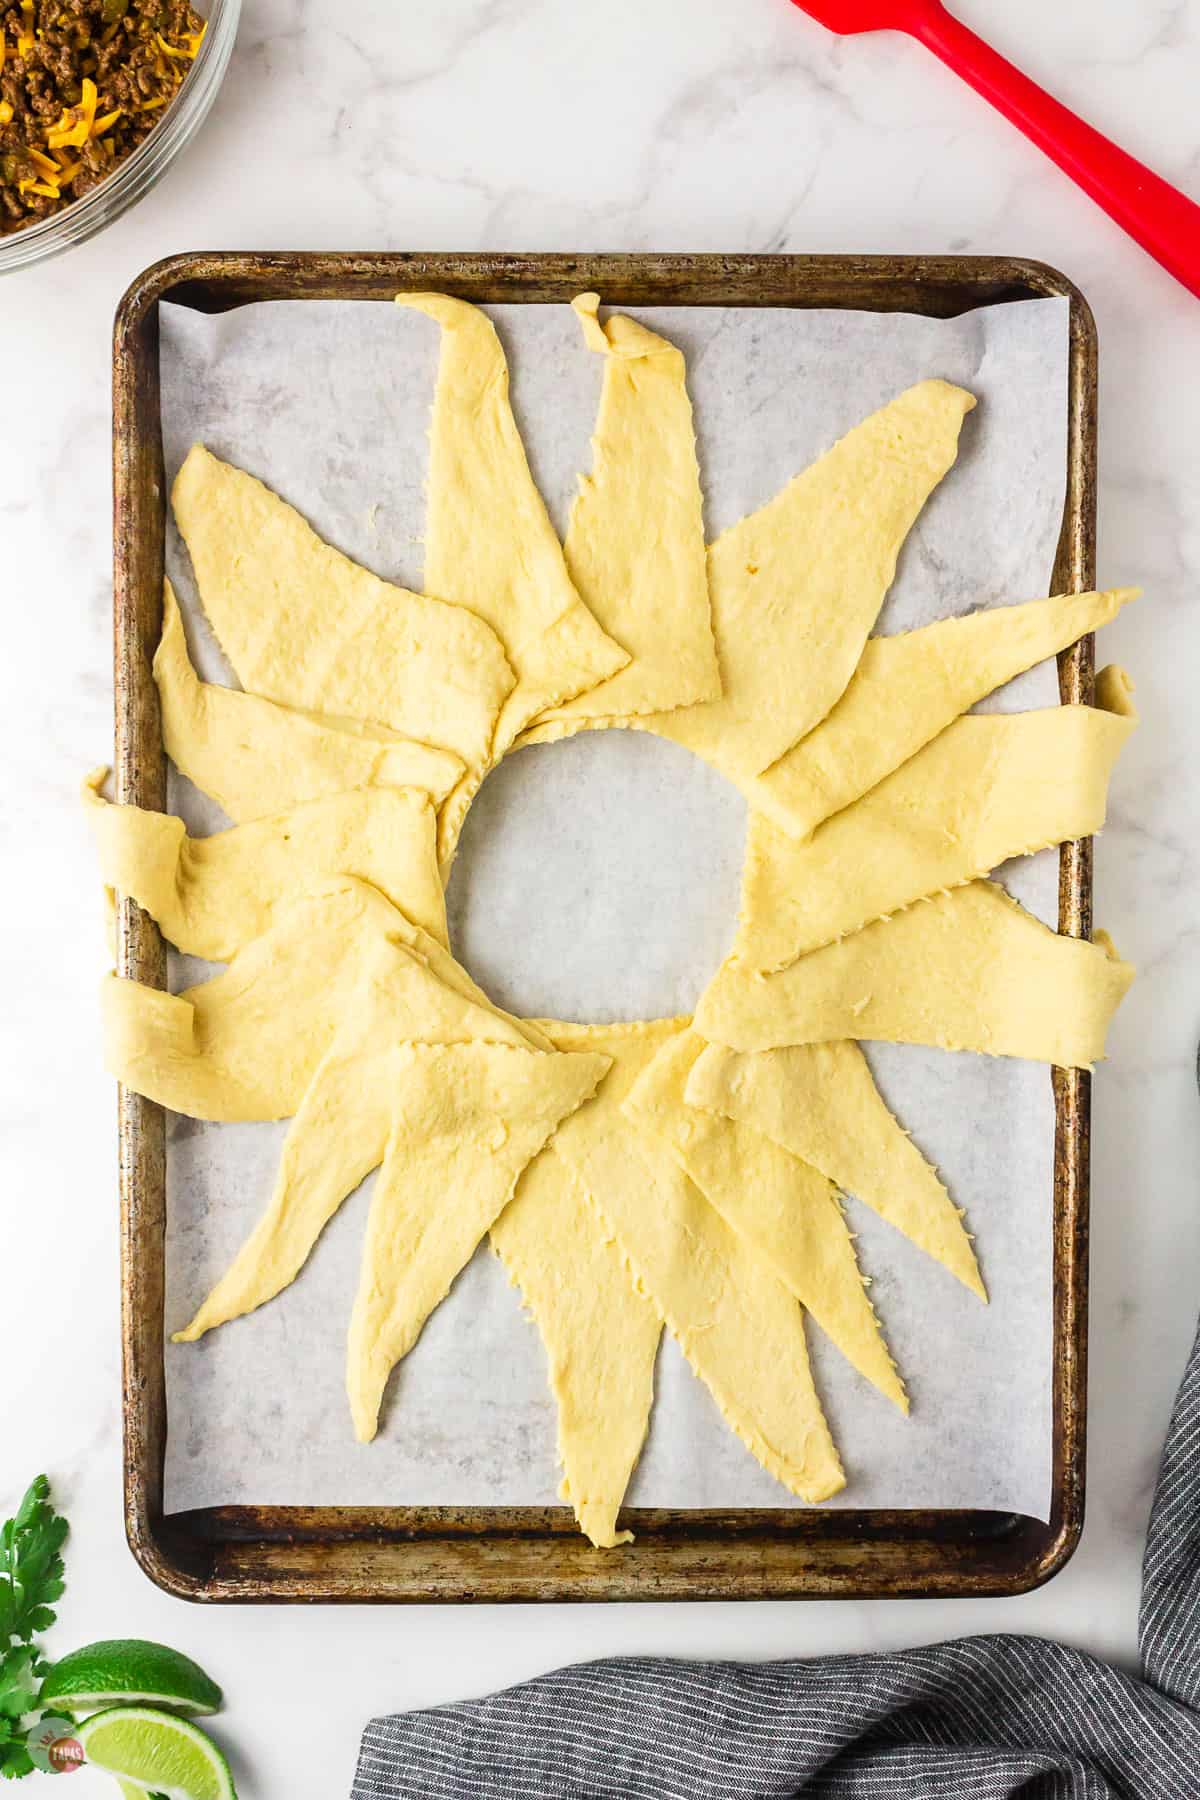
column 490, row 544
column 304, row 626
column 635, row 542
column 465, row 1122
column 908, row 688
column 336, row 1138
column 246, row 1044
column 797, row 586
column 600, row 1336
column 967, row 970
column 257, row 758
column 780, row 1205
column 212, row 895
column 821, row 1103
column 989, row 787
column 415, row 992
column 738, row 1326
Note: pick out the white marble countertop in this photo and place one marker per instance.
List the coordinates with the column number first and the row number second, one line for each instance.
column 734, row 125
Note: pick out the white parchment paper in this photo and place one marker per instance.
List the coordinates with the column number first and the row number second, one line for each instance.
column 597, row 880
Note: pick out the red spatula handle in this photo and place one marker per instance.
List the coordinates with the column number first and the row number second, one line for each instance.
column 1161, row 219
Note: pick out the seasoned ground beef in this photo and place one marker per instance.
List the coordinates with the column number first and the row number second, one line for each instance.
column 81, row 83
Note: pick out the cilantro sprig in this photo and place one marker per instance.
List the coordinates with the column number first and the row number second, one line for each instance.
column 31, row 1565
column 31, row 1583
column 31, row 1580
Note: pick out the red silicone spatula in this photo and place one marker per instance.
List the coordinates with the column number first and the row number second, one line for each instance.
column 1161, row 219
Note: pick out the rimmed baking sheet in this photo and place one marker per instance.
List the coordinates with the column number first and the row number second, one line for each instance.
column 292, row 1550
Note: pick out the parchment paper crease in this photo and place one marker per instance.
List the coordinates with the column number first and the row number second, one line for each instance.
column 597, row 880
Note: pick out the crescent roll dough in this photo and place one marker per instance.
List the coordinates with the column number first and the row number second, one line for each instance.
column 211, row 895
column 739, row 1327
column 908, row 688
column 303, row 625
column 777, row 1203
column 257, row 758
column 466, row 1120
column 797, row 585
column 600, row 1333
column 820, row 1102
column 990, row 787
column 635, row 541
column 489, row 542
column 967, row 970
column 246, row 1044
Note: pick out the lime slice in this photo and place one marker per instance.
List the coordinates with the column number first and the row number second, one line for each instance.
column 156, row 1752
column 129, row 1671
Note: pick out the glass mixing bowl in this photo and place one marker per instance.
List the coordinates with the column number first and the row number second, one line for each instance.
column 84, row 217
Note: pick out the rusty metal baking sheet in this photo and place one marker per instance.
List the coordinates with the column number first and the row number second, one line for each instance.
column 1011, row 1548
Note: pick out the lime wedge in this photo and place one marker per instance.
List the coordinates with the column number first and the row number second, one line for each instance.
column 129, row 1671
column 156, row 1752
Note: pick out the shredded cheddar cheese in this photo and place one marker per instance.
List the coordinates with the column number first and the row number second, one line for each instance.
column 79, row 123
column 76, row 81
column 63, row 137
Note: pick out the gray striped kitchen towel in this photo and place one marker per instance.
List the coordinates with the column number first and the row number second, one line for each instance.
column 987, row 1718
